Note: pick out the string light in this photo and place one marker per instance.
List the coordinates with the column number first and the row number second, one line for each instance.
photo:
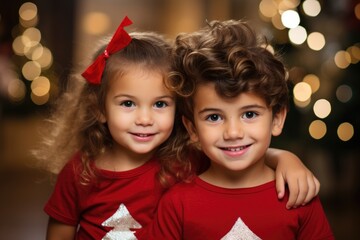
column 28, row 44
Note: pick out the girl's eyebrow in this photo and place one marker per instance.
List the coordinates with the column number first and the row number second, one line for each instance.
column 166, row 96
column 131, row 96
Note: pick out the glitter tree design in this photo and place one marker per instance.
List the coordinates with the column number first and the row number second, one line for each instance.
column 122, row 222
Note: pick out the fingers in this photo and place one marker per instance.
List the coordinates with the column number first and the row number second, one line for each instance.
column 302, row 190
column 314, row 188
column 280, row 185
column 294, row 191
column 317, row 184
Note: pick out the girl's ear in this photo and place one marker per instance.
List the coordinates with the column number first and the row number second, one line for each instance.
column 278, row 122
column 102, row 117
column 190, row 129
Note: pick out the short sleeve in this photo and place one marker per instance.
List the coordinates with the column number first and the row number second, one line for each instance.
column 63, row 202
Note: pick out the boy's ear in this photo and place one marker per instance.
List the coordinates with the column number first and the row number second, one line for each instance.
column 190, row 129
column 278, row 122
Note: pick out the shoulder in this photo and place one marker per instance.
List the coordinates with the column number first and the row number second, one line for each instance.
column 72, row 169
column 179, row 191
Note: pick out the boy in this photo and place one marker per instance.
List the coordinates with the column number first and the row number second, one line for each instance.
column 233, row 97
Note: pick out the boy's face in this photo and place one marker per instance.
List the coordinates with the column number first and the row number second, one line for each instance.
column 234, row 133
column 139, row 111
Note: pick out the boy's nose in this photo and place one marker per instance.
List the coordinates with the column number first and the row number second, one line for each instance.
column 233, row 130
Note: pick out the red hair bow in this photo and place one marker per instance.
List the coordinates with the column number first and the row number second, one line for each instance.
column 119, row 41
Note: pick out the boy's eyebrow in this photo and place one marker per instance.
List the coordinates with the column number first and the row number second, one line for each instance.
column 209, row 110
column 246, row 107
column 253, row 106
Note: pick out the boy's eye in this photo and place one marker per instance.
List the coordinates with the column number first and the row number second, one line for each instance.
column 127, row 104
column 160, row 104
column 213, row 118
column 250, row 115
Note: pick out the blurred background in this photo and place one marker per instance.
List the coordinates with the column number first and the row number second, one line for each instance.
column 42, row 41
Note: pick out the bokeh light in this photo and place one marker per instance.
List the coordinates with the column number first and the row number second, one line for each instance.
column 290, row 19
column 313, row 81
column 33, row 35
column 345, row 131
column 16, row 90
column 45, row 59
column 316, row 41
column 276, row 21
column 18, row 45
column 317, row 129
column 39, row 100
column 302, row 91
column 344, row 93
column 311, row 8
column 322, row 108
column 31, row 70
column 284, row 5
column 268, row 8
column 354, row 52
column 28, row 11
column 96, row 23
column 302, row 104
column 357, row 11
column 40, row 86
column 297, row 35
column 342, row 59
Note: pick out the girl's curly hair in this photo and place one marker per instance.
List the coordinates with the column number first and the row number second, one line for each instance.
column 74, row 124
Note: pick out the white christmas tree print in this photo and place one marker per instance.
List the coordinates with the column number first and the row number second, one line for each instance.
column 121, row 221
column 240, row 232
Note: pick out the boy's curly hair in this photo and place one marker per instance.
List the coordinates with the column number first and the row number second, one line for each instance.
column 230, row 55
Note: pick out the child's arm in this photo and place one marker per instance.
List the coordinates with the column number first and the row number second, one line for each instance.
column 303, row 185
column 59, row 231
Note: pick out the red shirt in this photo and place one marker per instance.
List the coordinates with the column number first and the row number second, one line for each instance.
column 115, row 203
column 199, row 210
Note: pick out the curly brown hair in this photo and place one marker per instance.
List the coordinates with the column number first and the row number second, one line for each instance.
column 74, row 124
column 232, row 56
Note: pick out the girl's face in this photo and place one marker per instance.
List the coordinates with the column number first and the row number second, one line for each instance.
column 139, row 111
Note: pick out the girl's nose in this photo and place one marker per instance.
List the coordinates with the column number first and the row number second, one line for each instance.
column 144, row 117
column 233, row 130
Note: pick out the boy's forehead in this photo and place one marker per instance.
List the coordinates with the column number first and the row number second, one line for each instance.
column 206, row 94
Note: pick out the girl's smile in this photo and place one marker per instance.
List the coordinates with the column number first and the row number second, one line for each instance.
column 139, row 120
column 143, row 137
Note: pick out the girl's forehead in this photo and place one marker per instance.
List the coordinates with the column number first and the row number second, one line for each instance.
column 137, row 79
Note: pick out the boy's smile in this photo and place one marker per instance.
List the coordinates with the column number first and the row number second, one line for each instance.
column 235, row 151
column 233, row 132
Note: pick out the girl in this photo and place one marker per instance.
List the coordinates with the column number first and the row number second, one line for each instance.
column 115, row 127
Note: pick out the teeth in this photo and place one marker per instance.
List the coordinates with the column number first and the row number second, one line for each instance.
column 142, row 135
column 235, row 149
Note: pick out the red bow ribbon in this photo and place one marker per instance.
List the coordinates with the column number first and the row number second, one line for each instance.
column 119, row 41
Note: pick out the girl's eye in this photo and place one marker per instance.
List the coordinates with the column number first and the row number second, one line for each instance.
column 213, row 118
column 160, row 104
column 127, row 104
column 250, row 115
